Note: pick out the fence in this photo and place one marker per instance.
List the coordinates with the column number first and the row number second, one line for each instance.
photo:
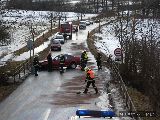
column 19, row 73
column 123, row 90
column 22, row 71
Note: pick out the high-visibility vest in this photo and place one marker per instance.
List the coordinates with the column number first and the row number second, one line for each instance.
column 91, row 73
column 86, row 56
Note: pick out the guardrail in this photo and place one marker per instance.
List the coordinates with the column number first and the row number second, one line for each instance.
column 19, row 73
column 22, row 70
column 123, row 89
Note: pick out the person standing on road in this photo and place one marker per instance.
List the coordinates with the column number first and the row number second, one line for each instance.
column 65, row 37
column 36, row 65
column 84, row 59
column 76, row 29
column 76, row 32
column 49, row 59
column 99, row 61
column 90, row 80
column 62, row 63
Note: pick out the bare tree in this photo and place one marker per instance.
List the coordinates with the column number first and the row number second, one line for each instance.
column 81, row 8
column 139, row 39
column 3, row 29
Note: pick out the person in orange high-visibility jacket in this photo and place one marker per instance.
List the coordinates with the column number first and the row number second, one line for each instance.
column 90, row 80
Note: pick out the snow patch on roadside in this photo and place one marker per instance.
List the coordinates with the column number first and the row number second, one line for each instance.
column 107, row 42
column 104, row 103
column 118, row 101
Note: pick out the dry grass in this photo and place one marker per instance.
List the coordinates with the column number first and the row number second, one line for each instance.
column 141, row 102
column 37, row 42
column 10, row 66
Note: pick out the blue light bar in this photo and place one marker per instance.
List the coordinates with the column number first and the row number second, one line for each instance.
column 94, row 113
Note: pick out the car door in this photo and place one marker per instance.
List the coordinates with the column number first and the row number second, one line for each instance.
column 68, row 60
column 55, row 62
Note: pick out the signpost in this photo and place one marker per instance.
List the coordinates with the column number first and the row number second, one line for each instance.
column 30, row 44
column 30, row 47
column 118, row 54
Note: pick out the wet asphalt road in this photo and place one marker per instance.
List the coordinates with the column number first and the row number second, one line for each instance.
column 52, row 96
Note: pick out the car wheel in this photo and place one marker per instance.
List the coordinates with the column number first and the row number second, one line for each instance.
column 73, row 65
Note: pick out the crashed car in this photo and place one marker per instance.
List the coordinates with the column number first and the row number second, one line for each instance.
column 70, row 62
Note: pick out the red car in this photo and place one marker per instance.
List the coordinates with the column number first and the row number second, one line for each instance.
column 70, row 62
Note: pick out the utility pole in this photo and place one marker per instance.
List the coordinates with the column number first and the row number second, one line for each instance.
column 51, row 20
column 59, row 22
column 99, row 26
column 32, row 32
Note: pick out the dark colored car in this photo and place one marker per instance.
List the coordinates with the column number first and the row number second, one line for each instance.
column 82, row 25
column 70, row 62
column 88, row 22
column 55, row 45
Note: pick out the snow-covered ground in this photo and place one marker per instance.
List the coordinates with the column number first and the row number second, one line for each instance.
column 107, row 42
column 74, row 1
column 20, row 22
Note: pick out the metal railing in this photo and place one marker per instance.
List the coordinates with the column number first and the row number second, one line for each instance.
column 123, row 90
column 22, row 71
column 19, row 73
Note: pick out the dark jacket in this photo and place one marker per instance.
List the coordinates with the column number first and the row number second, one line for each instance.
column 62, row 59
column 99, row 57
column 36, row 62
column 49, row 59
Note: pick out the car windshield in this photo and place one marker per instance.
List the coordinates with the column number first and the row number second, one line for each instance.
column 55, row 42
column 82, row 22
column 65, row 25
column 59, row 37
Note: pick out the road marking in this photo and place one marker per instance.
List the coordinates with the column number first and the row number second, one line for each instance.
column 58, row 89
column 47, row 113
